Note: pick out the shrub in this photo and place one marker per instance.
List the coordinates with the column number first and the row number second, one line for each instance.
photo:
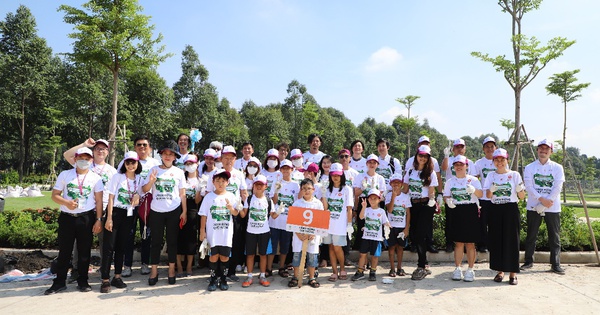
column 21, row 230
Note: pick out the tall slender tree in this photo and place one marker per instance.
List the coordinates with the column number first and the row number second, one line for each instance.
column 116, row 35
column 409, row 123
column 528, row 57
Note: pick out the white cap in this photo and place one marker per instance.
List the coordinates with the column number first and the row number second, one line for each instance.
column 228, row 149
column 103, row 142
column 273, row 152
column 260, row 179
column 84, row 150
column 500, row 153
column 287, row 163
column 546, row 142
column 210, row 152
column 373, row 157
column 191, row 158
column 374, row 191
column 459, row 142
column 295, row 153
column 396, row 176
column 423, row 139
column 336, row 169
column 460, row 159
column 255, row 160
column 424, row 149
column 131, row 155
column 489, row 139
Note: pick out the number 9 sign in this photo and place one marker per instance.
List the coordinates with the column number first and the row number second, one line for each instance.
column 308, row 221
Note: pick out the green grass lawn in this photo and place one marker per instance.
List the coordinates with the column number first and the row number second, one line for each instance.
column 30, row 202
column 594, row 213
column 588, row 197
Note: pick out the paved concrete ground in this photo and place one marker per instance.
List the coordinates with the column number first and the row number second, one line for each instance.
column 539, row 291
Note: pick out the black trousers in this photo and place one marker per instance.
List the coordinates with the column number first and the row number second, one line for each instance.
column 159, row 223
column 421, row 221
column 238, row 256
column 129, row 246
column 115, row 242
column 483, row 222
column 70, row 229
column 552, row 220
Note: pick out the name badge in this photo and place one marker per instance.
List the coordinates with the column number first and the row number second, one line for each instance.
column 81, row 204
column 130, row 211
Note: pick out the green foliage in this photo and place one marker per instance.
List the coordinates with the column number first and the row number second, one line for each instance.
column 10, row 177
column 29, row 228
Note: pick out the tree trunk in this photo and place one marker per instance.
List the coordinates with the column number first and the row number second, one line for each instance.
column 112, row 131
column 565, row 148
column 517, row 131
column 408, row 134
column 22, row 140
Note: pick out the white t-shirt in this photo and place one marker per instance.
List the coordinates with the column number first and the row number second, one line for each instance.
column 416, row 189
column 338, row 202
column 506, row 186
column 484, row 167
column 411, row 161
column 313, row 245
column 365, row 182
column 384, row 169
column 148, row 164
column 543, row 180
column 397, row 217
column 286, row 197
column 360, row 166
column 219, row 221
column 297, row 176
column 314, row 158
column 457, row 189
column 165, row 191
column 237, row 183
column 350, row 174
column 258, row 214
column 374, row 221
column 192, row 185
column 180, row 161
column 272, row 177
column 79, row 187
column 240, row 164
column 123, row 189
column 471, row 168
column 106, row 172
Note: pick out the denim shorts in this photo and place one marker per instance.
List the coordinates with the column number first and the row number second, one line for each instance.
column 336, row 240
column 312, row 260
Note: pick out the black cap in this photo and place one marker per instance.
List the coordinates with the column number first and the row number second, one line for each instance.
column 171, row 146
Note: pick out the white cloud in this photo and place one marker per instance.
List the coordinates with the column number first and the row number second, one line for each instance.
column 389, row 115
column 383, row 59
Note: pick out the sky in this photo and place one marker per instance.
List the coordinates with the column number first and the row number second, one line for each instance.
column 360, row 56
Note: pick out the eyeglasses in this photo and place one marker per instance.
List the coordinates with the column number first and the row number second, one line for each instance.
column 129, row 162
column 422, row 155
column 100, row 149
column 344, row 156
column 141, row 144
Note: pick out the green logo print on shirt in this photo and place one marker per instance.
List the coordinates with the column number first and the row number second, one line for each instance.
column 165, row 185
column 460, row 194
column 486, row 171
column 398, row 211
column 232, row 188
column 372, row 224
column 220, row 213
column 123, row 196
column 385, row 172
column 504, row 190
column 74, row 193
column 258, row 215
column 543, row 180
column 415, row 185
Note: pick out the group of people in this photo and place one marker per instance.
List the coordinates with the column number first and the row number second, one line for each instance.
column 235, row 210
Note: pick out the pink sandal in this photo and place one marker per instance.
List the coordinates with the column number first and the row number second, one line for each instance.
column 343, row 275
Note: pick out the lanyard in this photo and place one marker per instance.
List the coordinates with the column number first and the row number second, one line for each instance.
column 80, row 184
column 101, row 170
column 131, row 193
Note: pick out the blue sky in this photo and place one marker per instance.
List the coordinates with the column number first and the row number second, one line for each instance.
column 359, row 56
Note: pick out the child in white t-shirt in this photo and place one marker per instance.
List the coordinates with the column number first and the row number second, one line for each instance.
column 398, row 211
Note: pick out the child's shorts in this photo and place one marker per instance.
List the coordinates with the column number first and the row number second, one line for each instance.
column 394, row 240
column 220, row 250
column 370, row 246
column 282, row 238
column 312, row 260
column 336, row 240
column 263, row 241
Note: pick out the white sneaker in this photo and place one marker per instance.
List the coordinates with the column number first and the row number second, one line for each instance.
column 457, row 275
column 126, row 272
column 145, row 269
column 238, row 268
column 469, row 275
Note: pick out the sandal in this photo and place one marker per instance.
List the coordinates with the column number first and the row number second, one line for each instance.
column 499, row 277
column 293, row 282
column 401, row 272
column 314, row 283
column 333, row 277
column 343, row 275
column 392, row 273
column 283, row 273
column 513, row 281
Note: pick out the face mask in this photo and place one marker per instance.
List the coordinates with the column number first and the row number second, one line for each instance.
column 83, row 164
column 218, row 165
column 272, row 163
column 191, row 168
column 252, row 170
column 297, row 163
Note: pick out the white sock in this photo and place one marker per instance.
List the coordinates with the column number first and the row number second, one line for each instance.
column 262, row 275
column 249, row 275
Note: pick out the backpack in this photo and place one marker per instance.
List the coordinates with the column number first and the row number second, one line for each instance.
column 392, row 163
column 269, row 202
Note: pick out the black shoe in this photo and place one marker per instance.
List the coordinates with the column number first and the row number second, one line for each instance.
column 482, row 249
column 84, row 287
column 268, row 273
column 432, row 249
column 413, row 249
column 212, row 286
column 449, row 248
column 105, row 287
column 55, row 289
column 526, row 266
column 233, row 278
column 223, row 286
column 372, row 276
column 153, row 281
column 558, row 270
column 171, row 280
column 118, row 283
column 74, row 276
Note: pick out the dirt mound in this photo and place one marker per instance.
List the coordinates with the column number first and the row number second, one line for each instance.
column 27, row 262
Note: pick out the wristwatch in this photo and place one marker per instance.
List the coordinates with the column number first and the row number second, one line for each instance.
column 99, row 219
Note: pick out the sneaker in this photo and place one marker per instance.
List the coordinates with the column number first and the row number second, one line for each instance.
column 359, row 275
column 457, row 275
column 526, row 266
column 427, row 270
column 558, row 270
column 55, row 289
column 238, row 268
column 247, row 283
column 269, row 273
column 105, row 287
column 223, row 286
column 74, row 275
column 233, row 278
column 126, row 272
column 212, row 286
column 264, row 282
column 372, row 276
column 84, row 287
column 469, row 275
column 118, row 283
column 419, row 274
column 145, row 270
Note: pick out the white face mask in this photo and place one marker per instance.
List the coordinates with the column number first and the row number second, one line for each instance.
column 272, row 163
column 298, row 163
column 252, row 170
column 191, row 168
column 218, row 165
column 83, row 164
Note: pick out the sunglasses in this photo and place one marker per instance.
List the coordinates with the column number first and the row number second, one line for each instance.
column 344, row 156
column 141, row 144
column 129, row 162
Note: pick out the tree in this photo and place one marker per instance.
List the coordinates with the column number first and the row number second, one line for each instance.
column 508, row 124
column 528, row 57
column 293, row 110
column 24, row 68
column 115, row 35
column 408, row 123
column 563, row 85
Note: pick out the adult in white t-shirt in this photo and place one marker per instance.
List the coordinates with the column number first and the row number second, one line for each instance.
column 357, row 161
column 247, row 151
column 388, row 165
column 313, row 155
column 183, row 141
column 484, row 166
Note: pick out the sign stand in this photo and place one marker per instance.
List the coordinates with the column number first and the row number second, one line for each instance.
column 298, row 273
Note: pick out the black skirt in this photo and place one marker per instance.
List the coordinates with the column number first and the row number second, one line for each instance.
column 187, row 242
column 465, row 223
column 504, row 226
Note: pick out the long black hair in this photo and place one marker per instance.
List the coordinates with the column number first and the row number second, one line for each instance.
column 425, row 174
column 342, row 183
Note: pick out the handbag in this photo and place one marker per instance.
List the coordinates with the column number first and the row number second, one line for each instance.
column 144, row 208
